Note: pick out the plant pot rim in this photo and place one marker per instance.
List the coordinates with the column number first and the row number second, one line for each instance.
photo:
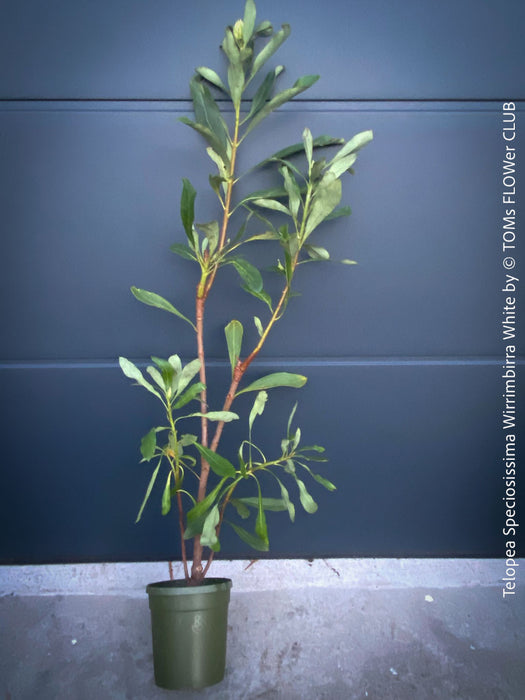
column 181, row 587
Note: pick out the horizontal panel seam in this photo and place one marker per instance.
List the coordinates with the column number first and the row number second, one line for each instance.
column 299, row 362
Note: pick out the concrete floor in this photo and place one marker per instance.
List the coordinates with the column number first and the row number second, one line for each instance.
column 332, row 640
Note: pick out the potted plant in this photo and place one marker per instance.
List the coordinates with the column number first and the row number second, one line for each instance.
column 198, row 482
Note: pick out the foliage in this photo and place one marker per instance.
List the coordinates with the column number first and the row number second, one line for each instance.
column 286, row 216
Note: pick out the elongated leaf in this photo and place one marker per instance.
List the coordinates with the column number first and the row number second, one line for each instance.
column 211, row 232
column 316, row 252
column 271, row 47
column 249, row 274
column 276, row 379
column 148, row 445
column 187, row 208
column 197, row 515
column 299, row 86
column 355, row 144
column 327, row 197
column 319, row 142
column 264, row 91
column 307, row 501
column 230, row 47
column 308, row 145
column 183, row 250
column 258, row 407
column 207, row 112
column 339, row 166
column 212, row 77
column 294, row 192
column 262, row 296
column 236, row 82
column 166, row 495
column 226, row 416
column 210, row 137
column 190, row 394
column 220, row 465
column 241, row 509
column 254, row 541
column 209, row 534
column 258, row 325
column 148, row 490
column 233, row 333
column 272, row 504
column 152, row 299
column 188, row 372
column 248, row 20
column 272, row 204
column 133, row 372
column 261, row 529
column 340, row 211
column 324, row 482
column 286, row 500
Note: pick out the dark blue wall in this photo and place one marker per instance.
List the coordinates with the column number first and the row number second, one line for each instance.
column 403, row 352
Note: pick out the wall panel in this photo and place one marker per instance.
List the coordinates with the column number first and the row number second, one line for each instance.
column 403, row 352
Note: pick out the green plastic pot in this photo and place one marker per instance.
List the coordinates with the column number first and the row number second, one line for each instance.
column 189, row 625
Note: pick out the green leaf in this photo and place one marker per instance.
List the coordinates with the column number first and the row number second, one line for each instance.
column 220, row 465
column 226, row 416
column 188, row 372
column 210, row 137
column 317, row 252
column 248, row 20
column 230, row 47
column 319, row 142
column 240, row 507
column 258, row 407
column 249, row 274
column 307, row 501
column 290, row 419
column 148, row 490
column 272, row 204
column 211, row 232
column 262, row 296
column 348, row 262
column 236, row 82
column 212, row 77
column 152, row 299
column 286, row 500
column 355, row 144
column 264, row 91
column 340, row 211
column 272, row 504
column 166, row 495
column 340, row 165
column 133, row 372
column 207, row 112
column 195, row 516
column 183, row 250
column 190, row 394
column 233, row 333
column 261, row 529
column 276, row 379
column 187, row 208
column 327, row 196
column 271, row 47
column 294, row 192
column 254, row 541
column 324, row 482
column 148, row 445
column 308, row 146
column 258, row 325
column 285, row 96
column 209, row 533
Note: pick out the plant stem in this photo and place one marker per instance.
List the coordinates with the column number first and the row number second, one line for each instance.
column 197, row 572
